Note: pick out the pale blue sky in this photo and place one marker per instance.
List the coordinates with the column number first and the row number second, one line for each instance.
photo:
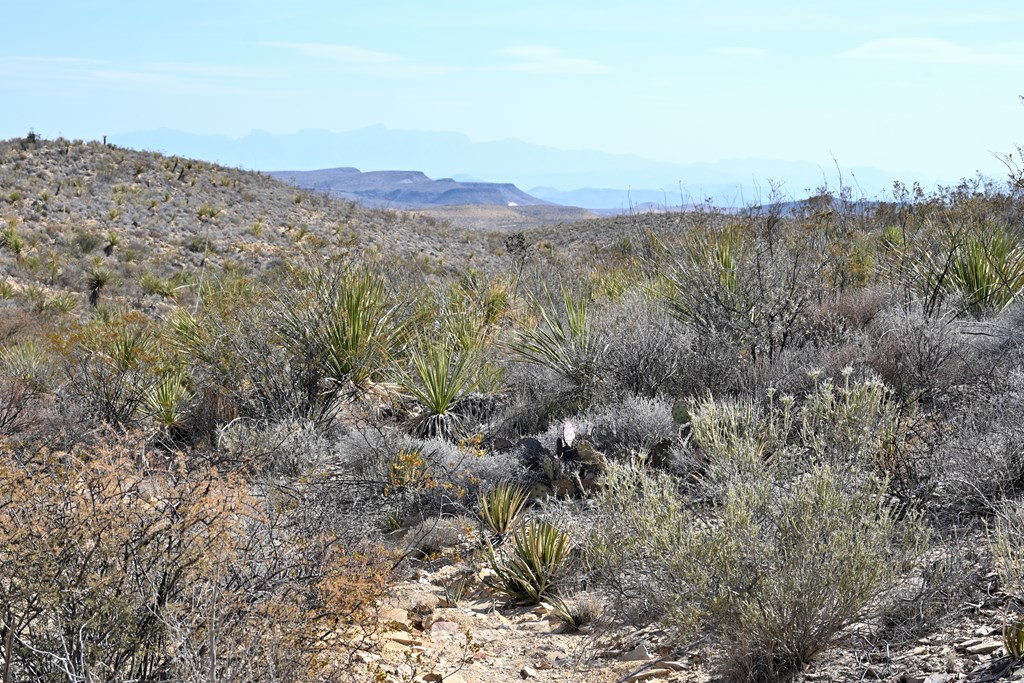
column 926, row 87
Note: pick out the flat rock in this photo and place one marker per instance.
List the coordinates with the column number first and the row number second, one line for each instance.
column 444, row 627
column 637, row 654
column 397, row 618
column 987, row 646
column 649, row 675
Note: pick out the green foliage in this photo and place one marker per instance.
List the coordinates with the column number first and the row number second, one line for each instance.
column 1013, row 639
column 207, row 211
column 345, row 325
column 86, row 242
column 11, row 240
column 110, row 368
column 532, row 568
column 799, row 495
column 62, row 303
column 441, row 376
column 748, row 289
column 165, row 399
column 984, row 266
column 155, row 285
column 564, row 341
column 96, row 280
column 26, row 374
column 1007, row 544
column 501, row 507
column 752, row 570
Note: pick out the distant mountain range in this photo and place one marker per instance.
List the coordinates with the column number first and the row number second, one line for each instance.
column 405, row 189
column 559, row 174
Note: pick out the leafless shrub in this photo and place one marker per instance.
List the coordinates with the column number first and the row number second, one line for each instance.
column 649, row 353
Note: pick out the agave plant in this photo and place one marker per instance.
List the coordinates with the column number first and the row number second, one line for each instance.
column 531, row 571
column 441, row 376
column 501, row 507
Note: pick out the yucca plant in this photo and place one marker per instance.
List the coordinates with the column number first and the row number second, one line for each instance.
column 532, row 570
column 501, row 507
column 564, row 341
column 1013, row 639
column 987, row 270
column 363, row 334
column 113, row 239
column 62, row 303
column 165, row 400
column 344, row 328
column 11, row 240
column 95, row 281
column 441, row 376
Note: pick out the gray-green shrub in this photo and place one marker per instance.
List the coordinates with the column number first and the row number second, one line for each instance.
column 802, row 538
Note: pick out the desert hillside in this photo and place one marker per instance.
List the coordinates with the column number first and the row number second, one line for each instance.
column 253, row 433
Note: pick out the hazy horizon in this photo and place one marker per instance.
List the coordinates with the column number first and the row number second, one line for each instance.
column 915, row 89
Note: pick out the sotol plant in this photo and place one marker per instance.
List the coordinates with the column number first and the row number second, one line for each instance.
column 441, row 376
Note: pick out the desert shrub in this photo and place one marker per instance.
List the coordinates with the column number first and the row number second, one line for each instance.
column 632, row 423
column 117, row 572
column 923, row 357
column 648, row 352
column 86, row 242
column 413, row 478
column 776, row 572
column 978, row 458
column 26, row 375
column 1007, row 545
column 110, row 369
column 245, row 363
column 279, row 448
column 747, row 290
column 154, row 284
column 800, row 493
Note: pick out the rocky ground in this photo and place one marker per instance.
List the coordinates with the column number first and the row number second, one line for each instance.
column 479, row 638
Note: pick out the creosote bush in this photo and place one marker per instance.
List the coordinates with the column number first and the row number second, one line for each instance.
column 750, row 568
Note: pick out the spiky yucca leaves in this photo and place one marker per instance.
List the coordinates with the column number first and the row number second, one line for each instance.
column 110, row 367
column 165, row 400
column 345, row 327
column 363, row 334
column 564, row 342
column 25, row 375
column 96, row 280
column 501, row 507
column 441, row 375
column 985, row 267
column 1013, row 639
column 538, row 555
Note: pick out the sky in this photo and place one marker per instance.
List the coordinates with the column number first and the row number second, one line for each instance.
column 923, row 87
